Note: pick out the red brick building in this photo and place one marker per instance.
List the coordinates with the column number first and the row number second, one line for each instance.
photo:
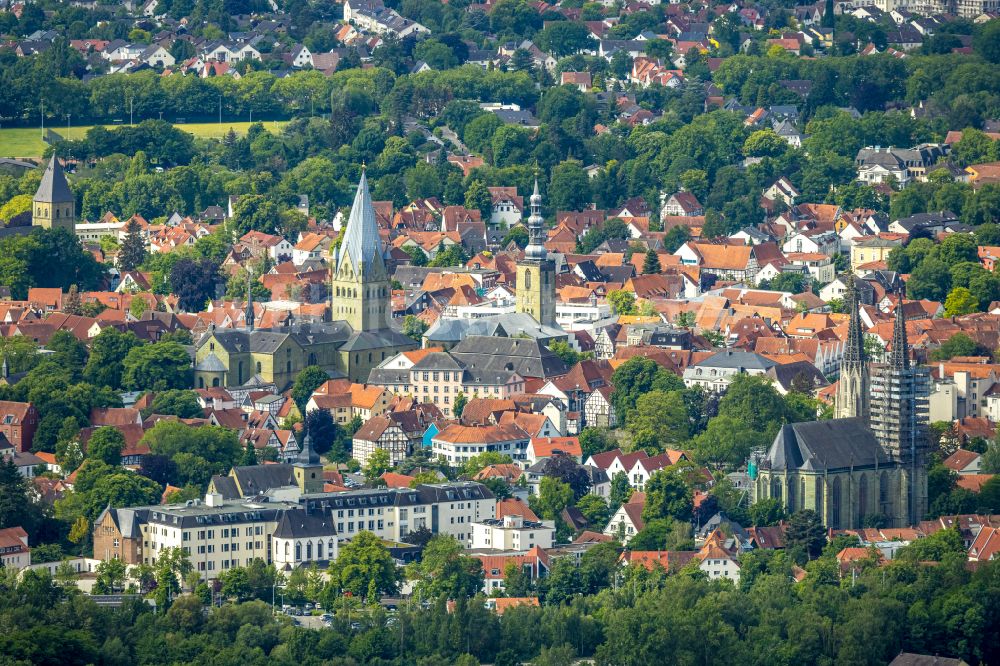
column 18, row 423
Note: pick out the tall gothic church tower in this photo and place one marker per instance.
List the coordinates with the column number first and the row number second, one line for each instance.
column 360, row 285
column 899, row 414
column 536, row 273
column 851, row 400
column 54, row 205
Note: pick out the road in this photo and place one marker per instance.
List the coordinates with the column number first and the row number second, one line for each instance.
column 447, row 133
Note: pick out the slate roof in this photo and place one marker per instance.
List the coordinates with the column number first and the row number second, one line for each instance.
column 743, row 360
column 825, row 445
column 448, row 330
column 257, row 479
column 226, row 486
column 299, row 524
column 525, row 356
column 54, row 188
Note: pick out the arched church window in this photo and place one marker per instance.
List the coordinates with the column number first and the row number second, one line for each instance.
column 819, row 497
column 835, row 504
column 862, row 499
column 527, row 280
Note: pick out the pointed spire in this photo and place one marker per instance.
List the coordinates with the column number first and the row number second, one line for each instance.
column 249, row 316
column 307, row 456
column 53, row 188
column 4, row 370
column 362, row 242
column 854, row 353
column 900, row 357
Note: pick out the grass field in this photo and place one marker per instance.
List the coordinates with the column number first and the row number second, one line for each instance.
column 27, row 142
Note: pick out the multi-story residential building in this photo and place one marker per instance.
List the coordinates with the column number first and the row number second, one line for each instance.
column 598, row 410
column 479, row 366
column 871, row 249
column 216, row 534
column 715, row 372
column 392, row 513
column 395, row 432
column 962, row 390
column 878, row 165
column 14, row 551
column 728, row 262
column 511, row 533
column 458, row 443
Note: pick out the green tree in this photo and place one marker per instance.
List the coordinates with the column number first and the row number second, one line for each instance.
column 636, row 377
column 378, row 464
column 595, row 510
column 727, row 441
column 361, row 561
column 667, row 496
column 960, row 301
column 111, row 576
column 414, row 327
column 651, row 264
column 306, row 382
column 622, row 302
column 193, row 282
column 444, row 571
column 16, row 510
column 197, row 451
column 106, row 445
column 562, row 349
column 806, row 533
column 157, row 367
column 958, row 344
column 753, row 400
column 478, row 197
column 553, row 496
column 659, row 420
column 986, row 41
column 569, row 187
column 458, row 406
column 595, row 440
column 133, row 249
column 934, row 548
column 417, row 256
column 518, row 235
column 562, row 38
column 182, row 403
column 766, row 512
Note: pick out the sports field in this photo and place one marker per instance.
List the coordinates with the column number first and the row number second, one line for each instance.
column 27, row 142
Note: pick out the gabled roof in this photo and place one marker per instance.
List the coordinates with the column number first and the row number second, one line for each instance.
column 825, row 445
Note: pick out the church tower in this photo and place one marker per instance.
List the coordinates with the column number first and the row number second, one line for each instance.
column 249, row 316
column 899, row 414
column 852, row 396
column 54, row 205
column 307, row 468
column 361, row 288
column 536, row 273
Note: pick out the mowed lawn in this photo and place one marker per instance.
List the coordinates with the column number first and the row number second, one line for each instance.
column 27, row 142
